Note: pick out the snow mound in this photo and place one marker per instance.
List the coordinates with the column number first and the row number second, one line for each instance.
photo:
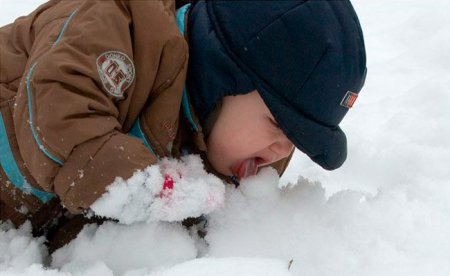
column 261, row 229
column 116, row 248
column 18, row 249
column 352, row 232
column 228, row 266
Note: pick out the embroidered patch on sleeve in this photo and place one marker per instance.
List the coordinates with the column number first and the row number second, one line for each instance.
column 349, row 99
column 116, row 71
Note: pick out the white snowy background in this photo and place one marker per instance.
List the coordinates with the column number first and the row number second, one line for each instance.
column 385, row 212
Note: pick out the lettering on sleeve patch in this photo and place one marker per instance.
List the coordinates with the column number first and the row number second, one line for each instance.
column 349, row 99
column 116, row 71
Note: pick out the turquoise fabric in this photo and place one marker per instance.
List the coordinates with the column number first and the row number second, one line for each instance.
column 181, row 14
column 30, row 117
column 12, row 171
column 64, row 28
column 136, row 131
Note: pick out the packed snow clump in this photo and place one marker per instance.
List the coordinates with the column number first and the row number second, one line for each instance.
column 142, row 197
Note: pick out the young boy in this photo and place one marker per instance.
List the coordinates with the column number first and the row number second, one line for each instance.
column 94, row 92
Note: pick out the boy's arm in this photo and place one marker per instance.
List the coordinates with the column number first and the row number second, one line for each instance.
column 66, row 124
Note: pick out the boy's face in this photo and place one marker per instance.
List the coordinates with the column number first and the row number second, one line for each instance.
column 245, row 137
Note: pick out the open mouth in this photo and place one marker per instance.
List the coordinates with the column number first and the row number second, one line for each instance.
column 247, row 168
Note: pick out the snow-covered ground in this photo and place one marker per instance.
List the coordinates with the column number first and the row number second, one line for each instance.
column 385, row 212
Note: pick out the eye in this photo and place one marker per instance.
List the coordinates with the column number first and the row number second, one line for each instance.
column 274, row 123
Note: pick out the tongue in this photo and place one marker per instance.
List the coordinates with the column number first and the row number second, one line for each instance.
column 247, row 168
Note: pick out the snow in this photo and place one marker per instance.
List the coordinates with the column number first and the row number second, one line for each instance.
column 143, row 197
column 147, row 246
column 350, row 232
column 229, row 266
column 18, row 248
column 385, row 212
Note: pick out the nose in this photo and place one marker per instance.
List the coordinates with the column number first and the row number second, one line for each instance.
column 282, row 148
column 279, row 149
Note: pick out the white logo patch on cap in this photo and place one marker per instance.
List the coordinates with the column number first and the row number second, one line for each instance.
column 116, row 71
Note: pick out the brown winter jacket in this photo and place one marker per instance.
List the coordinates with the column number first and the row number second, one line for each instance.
column 75, row 77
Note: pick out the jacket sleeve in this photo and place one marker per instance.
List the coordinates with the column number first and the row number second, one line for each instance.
column 67, row 125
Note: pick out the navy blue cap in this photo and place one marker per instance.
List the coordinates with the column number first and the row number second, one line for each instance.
column 304, row 58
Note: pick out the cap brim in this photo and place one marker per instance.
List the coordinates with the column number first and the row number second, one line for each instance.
column 325, row 145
